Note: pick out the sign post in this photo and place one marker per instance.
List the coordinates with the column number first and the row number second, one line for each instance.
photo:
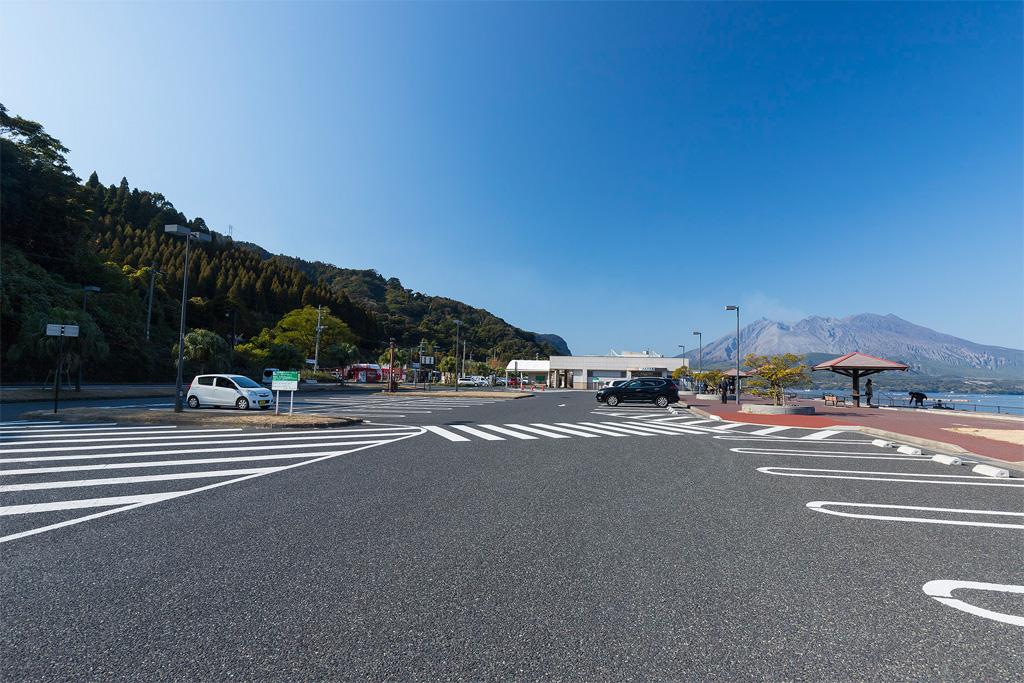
column 59, row 330
column 284, row 380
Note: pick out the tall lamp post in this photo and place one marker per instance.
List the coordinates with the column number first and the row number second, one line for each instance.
column 737, row 309
column 86, row 291
column 458, row 324
column 153, row 273
column 189, row 235
column 700, row 351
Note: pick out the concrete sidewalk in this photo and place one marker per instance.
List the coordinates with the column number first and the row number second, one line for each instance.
column 988, row 435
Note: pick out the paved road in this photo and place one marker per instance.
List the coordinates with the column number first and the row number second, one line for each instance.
column 537, row 538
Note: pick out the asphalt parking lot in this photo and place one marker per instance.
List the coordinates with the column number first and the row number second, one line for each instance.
column 545, row 537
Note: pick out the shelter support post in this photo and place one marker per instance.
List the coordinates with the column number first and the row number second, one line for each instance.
column 856, row 387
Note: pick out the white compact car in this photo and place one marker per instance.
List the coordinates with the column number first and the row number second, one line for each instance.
column 228, row 390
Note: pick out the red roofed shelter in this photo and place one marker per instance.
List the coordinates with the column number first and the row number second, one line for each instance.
column 857, row 365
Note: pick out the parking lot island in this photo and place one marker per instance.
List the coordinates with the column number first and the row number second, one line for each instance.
column 195, row 418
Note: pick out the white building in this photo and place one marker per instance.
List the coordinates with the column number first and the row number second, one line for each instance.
column 590, row 372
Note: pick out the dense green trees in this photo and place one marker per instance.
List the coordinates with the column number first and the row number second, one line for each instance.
column 60, row 234
column 205, row 351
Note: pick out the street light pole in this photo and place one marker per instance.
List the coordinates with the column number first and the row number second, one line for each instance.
column 458, row 324
column 737, row 309
column 88, row 289
column 189, row 235
column 700, row 352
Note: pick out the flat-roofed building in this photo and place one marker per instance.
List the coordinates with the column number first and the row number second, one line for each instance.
column 591, row 372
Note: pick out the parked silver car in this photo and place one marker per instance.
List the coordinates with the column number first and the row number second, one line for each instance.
column 228, row 390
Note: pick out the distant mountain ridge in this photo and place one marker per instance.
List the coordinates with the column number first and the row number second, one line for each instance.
column 889, row 336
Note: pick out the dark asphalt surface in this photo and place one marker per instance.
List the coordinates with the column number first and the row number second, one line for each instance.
column 665, row 557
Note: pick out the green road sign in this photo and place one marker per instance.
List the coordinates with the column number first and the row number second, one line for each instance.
column 285, row 380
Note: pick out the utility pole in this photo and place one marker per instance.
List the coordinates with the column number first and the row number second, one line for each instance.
column 316, row 351
column 233, row 314
column 153, row 272
column 391, row 375
column 86, row 291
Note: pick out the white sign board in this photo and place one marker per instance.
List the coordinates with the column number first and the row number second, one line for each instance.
column 426, row 360
column 284, row 380
column 58, row 330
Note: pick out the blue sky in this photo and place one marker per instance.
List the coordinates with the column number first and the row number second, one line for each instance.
column 611, row 173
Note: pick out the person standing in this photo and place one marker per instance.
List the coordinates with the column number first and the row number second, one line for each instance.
column 869, row 391
column 723, row 387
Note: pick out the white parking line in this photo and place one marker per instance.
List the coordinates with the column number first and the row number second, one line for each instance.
column 886, row 476
column 665, row 429
column 441, row 431
column 822, row 454
column 824, row 505
column 118, row 436
column 730, row 425
column 942, row 590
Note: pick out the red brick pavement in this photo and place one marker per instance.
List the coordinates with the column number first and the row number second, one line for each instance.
column 925, row 424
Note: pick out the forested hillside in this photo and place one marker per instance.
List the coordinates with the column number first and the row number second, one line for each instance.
column 60, row 234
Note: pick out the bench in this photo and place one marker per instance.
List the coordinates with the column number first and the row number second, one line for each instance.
column 833, row 400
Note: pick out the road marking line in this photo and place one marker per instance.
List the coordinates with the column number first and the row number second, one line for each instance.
column 477, row 432
column 118, row 436
column 178, row 494
column 823, row 434
column 180, row 463
column 887, row 476
column 322, row 435
column 657, row 429
column 72, row 429
column 508, row 432
column 77, row 483
column 615, row 427
column 744, row 436
column 942, row 590
column 441, row 431
column 602, row 432
column 769, row 430
column 567, row 430
column 179, row 451
column 820, row 506
column 669, row 429
column 814, row 454
column 80, row 504
column 731, row 425
column 542, row 432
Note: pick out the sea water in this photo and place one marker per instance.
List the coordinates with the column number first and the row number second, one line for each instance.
column 1011, row 404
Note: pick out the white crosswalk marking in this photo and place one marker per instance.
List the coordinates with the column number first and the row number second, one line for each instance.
column 823, row 434
column 616, row 427
column 598, row 430
column 136, row 450
column 542, row 432
column 478, row 432
column 663, row 428
column 509, row 432
column 567, row 430
column 769, row 430
column 441, row 431
column 730, row 425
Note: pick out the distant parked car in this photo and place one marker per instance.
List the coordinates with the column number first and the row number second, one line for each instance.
column 656, row 390
column 268, row 376
column 614, row 383
column 467, row 382
column 228, row 390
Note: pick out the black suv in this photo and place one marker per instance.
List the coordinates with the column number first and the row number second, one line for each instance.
column 654, row 390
